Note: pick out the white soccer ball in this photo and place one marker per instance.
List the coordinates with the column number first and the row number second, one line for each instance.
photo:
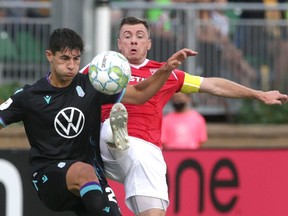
column 109, row 72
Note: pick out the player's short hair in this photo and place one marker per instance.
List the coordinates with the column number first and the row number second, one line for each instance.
column 134, row 21
column 65, row 38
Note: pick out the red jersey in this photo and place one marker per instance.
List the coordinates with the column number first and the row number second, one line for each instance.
column 144, row 121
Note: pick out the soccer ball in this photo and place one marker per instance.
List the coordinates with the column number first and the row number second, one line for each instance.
column 109, row 72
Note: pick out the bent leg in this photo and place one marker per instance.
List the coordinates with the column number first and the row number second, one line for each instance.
column 141, row 174
column 82, row 181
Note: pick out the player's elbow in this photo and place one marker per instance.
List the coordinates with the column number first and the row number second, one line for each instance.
column 134, row 96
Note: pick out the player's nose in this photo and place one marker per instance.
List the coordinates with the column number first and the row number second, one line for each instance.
column 134, row 40
column 71, row 63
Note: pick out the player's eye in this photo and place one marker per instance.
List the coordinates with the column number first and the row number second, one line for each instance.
column 77, row 58
column 65, row 58
column 140, row 35
column 127, row 36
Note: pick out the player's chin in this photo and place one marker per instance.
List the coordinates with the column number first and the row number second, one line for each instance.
column 71, row 75
column 134, row 59
column 68, row 78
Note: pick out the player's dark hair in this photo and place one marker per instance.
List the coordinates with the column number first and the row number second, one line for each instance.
column 64, row 38
column 133, row 21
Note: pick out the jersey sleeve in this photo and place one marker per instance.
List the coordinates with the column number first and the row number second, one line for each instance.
column 191, row 83
column 12, row 111
column 111, row 99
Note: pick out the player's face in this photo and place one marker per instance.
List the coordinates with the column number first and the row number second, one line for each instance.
column 64, row 66
column 134, row 42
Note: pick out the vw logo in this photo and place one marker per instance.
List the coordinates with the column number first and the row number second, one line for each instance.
column 69, row 122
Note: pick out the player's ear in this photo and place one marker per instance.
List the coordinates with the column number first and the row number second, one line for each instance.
column 49, row 55
column 119, row 44
column 149, row 44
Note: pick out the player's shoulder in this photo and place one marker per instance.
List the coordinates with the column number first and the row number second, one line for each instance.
column 152, row 63
column 155, row 64
column 81, row 78
column 23, row 89
column 177, row 75
column 40, row 84
column 27, row 91
column 176, row 72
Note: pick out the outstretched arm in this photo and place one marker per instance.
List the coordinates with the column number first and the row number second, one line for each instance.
column 226, row 88
column 143, row 91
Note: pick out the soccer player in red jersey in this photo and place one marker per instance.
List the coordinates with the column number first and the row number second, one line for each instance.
column 139, row 164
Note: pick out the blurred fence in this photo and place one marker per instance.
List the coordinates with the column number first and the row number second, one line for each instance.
column 249, row 51
column 23, row 39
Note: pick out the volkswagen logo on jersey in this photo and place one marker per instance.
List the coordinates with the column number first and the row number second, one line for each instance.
column 69, row 122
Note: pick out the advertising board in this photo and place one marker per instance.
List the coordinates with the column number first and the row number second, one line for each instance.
column 203, row 182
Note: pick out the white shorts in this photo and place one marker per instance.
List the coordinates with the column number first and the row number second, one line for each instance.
column 142, row 170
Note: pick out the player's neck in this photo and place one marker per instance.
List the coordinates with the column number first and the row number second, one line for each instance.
column 55, row 82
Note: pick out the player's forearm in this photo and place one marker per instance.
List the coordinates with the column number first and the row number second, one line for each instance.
column 229, row 89
column 154, row 83
column 144, row 90
column 226, row 88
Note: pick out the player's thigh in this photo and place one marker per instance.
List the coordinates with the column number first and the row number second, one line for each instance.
column 78, row 174
column 52, row 190
column 147, row 206
column 153, row 212
column 147, row 176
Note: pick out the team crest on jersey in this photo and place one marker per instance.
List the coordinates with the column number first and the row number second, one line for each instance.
column 61, row 164
column 69, row 122
column 80, row 91
column 153, row 70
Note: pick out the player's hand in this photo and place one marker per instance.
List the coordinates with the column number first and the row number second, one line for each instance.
column 274, row 97
column 177, row 58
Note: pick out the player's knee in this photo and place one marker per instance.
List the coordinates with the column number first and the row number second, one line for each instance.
column 79, row 174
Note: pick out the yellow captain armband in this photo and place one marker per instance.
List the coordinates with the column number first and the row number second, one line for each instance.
column 191, row 83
